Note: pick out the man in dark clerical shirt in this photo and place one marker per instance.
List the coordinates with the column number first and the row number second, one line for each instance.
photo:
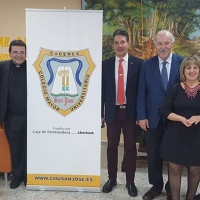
column 13, row 108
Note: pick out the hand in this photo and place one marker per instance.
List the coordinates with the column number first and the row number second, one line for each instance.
column 144, row 124
column 185, row 121
column 102, row 122
column 194, row 120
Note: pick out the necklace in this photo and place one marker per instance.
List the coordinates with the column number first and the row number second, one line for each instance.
column 191, row 92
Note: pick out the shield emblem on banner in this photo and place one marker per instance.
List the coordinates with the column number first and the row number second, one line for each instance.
column 64, row 78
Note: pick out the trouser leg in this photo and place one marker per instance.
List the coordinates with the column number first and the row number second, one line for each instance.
column 15, row 127
column 153, row 138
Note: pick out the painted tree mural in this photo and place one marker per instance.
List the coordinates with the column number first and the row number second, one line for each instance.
column 143, row 18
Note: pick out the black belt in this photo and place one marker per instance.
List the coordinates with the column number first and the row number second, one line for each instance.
column 123, row 106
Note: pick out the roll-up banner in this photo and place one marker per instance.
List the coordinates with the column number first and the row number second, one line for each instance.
column 64, row 54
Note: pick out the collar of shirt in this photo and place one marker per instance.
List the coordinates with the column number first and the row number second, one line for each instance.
column 168, row 64
column 169, row 59
column 125, row 58
column 125, row 67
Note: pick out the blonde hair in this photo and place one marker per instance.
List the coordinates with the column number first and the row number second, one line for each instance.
column 193, row 59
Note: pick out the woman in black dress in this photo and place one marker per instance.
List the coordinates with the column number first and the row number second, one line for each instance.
column 181, row 141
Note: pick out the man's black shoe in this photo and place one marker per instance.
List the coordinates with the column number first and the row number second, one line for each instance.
column 132, row 190
column 167, row 188
column 151, row 194
column 169, row 197
column 15, row 183
column 197, row 197
column 108, row 186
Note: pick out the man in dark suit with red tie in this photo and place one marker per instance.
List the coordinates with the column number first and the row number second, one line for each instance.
column 119, row 91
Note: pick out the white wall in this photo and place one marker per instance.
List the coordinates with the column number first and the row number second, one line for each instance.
column 12, row 18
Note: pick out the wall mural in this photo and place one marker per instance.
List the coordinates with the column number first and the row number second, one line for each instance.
column 143, row 18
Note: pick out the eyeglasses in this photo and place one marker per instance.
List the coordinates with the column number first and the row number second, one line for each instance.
column 17, row 52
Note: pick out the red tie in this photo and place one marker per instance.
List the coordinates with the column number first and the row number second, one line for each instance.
column 120, row 93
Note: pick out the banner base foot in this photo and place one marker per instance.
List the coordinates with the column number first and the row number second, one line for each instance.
column 63, row 188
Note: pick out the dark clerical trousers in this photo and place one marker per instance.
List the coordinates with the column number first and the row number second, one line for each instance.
column 16, row 132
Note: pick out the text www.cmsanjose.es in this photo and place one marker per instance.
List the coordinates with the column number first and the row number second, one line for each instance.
column 45, row 178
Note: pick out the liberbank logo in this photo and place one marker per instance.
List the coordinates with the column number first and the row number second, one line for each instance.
column 64, row 78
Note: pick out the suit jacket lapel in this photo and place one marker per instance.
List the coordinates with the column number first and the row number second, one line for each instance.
column 112, row 73
column 173, row 72
column 130, row 69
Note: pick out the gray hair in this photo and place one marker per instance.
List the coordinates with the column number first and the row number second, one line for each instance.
column 164, row 32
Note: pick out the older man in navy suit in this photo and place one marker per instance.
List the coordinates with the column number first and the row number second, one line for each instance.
column 157, row 75
column 119, row 91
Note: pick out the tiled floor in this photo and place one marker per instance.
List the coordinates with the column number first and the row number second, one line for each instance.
column 119, row 193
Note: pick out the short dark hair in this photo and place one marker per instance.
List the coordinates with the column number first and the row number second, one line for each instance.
column 17, row 43
column 121, row 32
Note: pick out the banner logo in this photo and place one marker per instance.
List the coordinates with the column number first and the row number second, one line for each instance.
column 64, row 78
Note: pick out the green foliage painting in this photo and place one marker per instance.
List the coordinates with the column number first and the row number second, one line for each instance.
column 143, row 18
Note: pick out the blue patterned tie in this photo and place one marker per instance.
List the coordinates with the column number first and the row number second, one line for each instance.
column 164, row 75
